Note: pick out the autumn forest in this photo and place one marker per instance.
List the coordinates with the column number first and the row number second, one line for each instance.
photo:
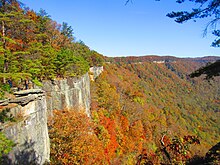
column 144, row 110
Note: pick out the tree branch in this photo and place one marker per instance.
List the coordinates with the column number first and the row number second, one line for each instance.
column 128, row 2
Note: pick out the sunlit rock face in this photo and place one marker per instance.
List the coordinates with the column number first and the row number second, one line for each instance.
column 95, row 72
column 32, row 108
column 70, row 93
column 29, row 132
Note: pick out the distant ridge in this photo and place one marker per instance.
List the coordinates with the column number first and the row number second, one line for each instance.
column 151, row 58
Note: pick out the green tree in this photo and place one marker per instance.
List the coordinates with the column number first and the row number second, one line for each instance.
column 69, row 64
column 5, row 145
column 62, row 62
column 79, row 66
column 43, row 18
column 14, row 25
column 96, row 59
column 33, row 46
column 67, row 31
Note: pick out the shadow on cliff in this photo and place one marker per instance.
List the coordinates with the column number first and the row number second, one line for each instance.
column 22, row 155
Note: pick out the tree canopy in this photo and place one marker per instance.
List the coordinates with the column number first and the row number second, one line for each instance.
column 35, row 47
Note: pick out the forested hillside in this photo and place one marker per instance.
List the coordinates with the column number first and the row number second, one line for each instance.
column 143, row 109
column 144, row 112
column 136, row 105
column 33, row 47
column 154, row 58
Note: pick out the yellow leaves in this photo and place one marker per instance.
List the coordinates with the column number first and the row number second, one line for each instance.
column 95, row 116
column 103, row 134
column 108, row 97
column 138, row 100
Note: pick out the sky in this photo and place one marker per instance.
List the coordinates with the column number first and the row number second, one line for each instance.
column 139, row 28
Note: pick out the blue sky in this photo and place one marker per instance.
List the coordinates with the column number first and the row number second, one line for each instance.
column 139, row 28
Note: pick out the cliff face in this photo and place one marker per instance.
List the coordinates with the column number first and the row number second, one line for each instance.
column 71, row 93
column 29, row 132
column 96, row 71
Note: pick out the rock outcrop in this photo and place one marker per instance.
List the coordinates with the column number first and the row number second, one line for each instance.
column 32, row 108
column 95, row 72
column 70, row 93
column 29, row 132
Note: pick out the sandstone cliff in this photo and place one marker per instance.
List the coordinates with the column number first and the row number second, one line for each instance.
column 70, row 93
column 29, row 132
column 95, row 72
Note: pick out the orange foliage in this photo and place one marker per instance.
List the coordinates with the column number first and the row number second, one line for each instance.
column 135, row 103
column 112, row 145
column 73, row 141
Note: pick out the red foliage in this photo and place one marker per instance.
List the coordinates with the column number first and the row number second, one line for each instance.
column 109, row 125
